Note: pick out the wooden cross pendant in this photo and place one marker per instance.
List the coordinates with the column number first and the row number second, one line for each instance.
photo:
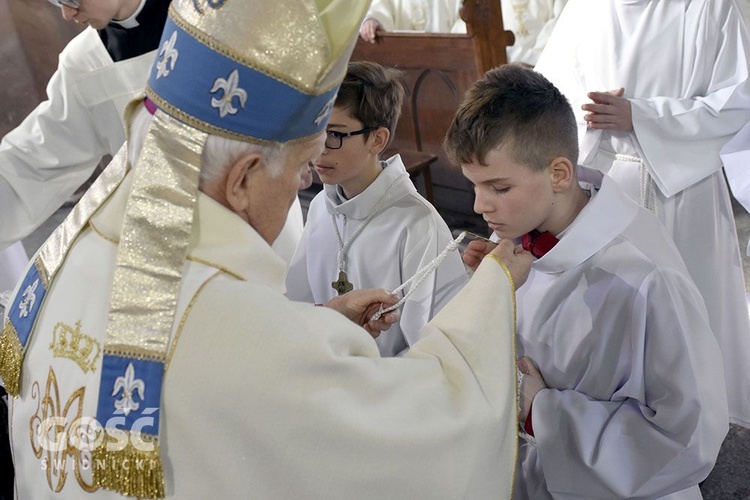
column 342, row 285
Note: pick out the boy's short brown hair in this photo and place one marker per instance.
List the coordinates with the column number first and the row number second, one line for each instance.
column 372, row 94
column 518, row 107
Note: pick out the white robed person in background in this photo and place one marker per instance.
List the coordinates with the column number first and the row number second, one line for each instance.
column 683, row 65
column 60, row 143
column 531, row 21
column 185, row 349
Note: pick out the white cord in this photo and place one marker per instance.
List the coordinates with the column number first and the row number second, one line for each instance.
column 344, row 247
column 419, row 277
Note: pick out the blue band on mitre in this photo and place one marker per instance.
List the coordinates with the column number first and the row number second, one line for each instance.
column 217, row 94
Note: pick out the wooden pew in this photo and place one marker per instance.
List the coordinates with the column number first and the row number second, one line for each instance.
column 438, row 69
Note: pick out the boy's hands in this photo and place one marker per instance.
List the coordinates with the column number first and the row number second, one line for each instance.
column 531, row 383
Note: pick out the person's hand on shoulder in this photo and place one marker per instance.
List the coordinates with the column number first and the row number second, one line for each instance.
column 475, row 252
column 369, row 30
column 516, row 259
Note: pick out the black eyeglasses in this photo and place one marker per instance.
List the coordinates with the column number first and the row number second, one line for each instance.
column 73, row 4
column 335, row 139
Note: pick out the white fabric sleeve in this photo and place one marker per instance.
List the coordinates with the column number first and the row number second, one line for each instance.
column 680, row 138
column 661, row 430
column 57, row 147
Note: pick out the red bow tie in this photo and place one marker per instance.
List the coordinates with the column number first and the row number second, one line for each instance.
column 538, row 243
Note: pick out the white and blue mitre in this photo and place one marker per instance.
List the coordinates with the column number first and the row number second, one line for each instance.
column 251, row 70
column 256, row 71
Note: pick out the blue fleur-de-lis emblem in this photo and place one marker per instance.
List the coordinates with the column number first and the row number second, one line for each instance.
column 168, row 57
column 325, row 111
column 231, row 89
column 29, row 298
column 129, row 385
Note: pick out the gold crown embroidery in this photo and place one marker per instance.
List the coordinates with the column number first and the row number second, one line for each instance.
column 75, row 345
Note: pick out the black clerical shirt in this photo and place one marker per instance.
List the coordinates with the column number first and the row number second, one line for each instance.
column 124, row 43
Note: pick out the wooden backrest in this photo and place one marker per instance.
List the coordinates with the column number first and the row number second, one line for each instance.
column 438, row 69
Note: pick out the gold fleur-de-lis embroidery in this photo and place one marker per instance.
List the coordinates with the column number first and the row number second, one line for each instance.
column 129, row 386
column 29, row 298
column 168, row 55
column 52, row 435
column 231, row 89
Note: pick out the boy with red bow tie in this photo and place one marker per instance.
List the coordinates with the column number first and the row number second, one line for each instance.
column 623, row 390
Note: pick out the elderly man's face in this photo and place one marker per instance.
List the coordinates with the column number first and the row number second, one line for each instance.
column 273, row 196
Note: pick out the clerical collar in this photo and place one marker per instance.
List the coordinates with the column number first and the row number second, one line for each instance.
column 590, row 191
column 131, row 22
column 137, row 35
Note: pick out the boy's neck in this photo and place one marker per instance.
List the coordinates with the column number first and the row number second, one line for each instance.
column 356, row 185
column 569, row 206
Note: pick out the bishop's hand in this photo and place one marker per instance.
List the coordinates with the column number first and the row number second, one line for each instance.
column 516, row 259
column 360, row 305
column 475, row 252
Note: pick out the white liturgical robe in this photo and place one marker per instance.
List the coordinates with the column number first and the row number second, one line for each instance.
column 59, row 144
column 684, row 67
column 531, row 21
column 635, row 405
column 12, row 263
column 405, row 235
column 268, row 398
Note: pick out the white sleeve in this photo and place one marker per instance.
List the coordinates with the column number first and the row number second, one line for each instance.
column 532, row 26
column 297, row 279
column 344, row 419
column 661, row 430
column 384, row 12
column 423, row 244
column 57, row 147
column 680, row 138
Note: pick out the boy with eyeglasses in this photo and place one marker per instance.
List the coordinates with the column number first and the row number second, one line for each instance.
column 369, row 227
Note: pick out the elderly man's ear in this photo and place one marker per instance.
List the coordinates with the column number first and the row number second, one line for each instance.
column 238, row 181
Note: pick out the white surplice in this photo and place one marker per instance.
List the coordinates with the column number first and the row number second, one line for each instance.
column 268, row 398
column 735, row 156
column 59, row 144
column 636, row 406
column 531, row 21
column 684, row 67
column 405, row 235
column 12, row 263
